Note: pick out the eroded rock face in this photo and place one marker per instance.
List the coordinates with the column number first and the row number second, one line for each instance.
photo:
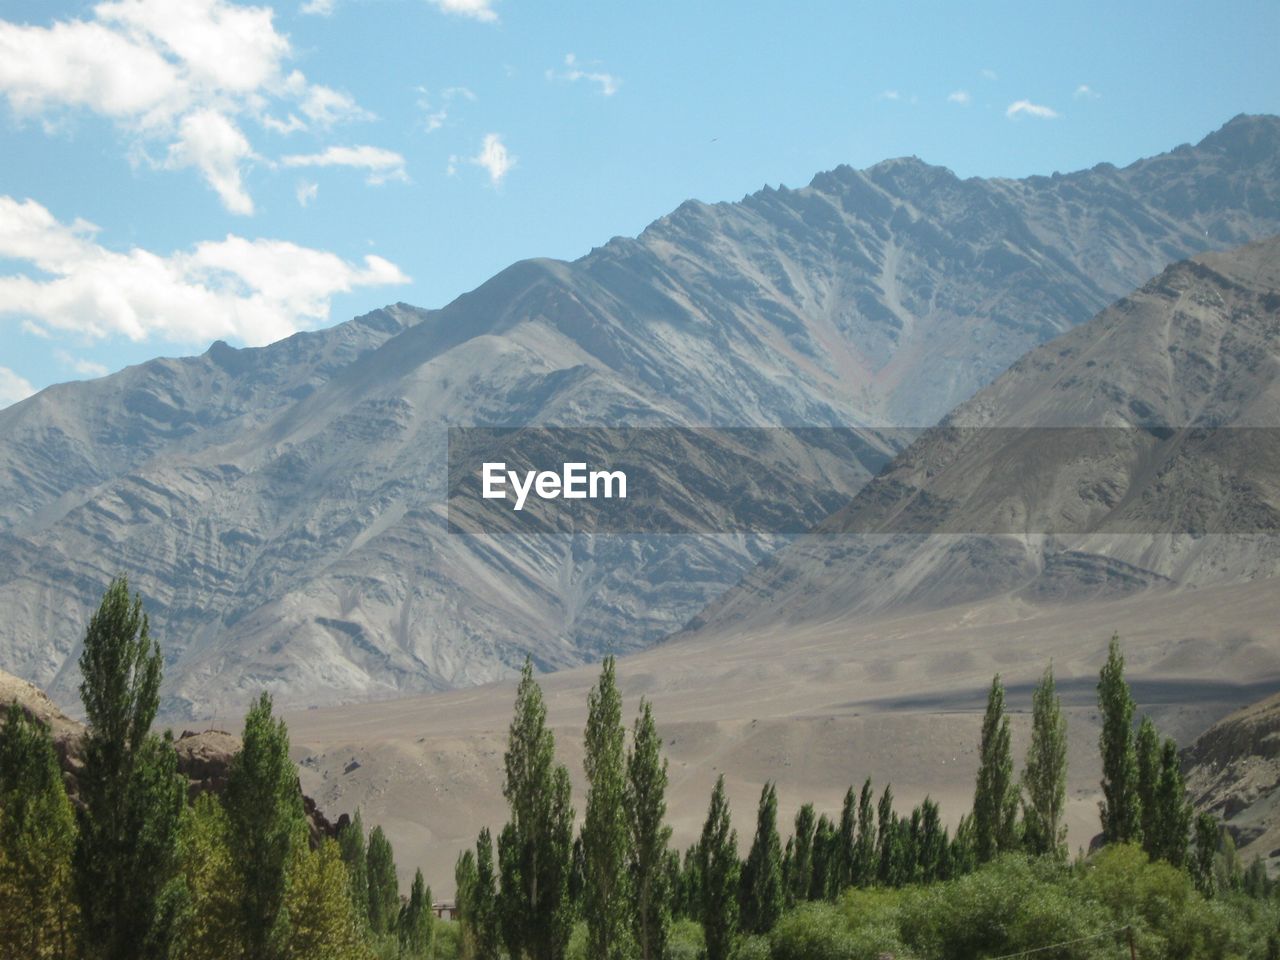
column 1233, row 771
column 281, row 509
column 204, row 758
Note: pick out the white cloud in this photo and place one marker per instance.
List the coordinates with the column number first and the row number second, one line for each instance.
column 318, row 8
column 890, row 95
column 437, row 114
column 607, row 82
column 252, row 291
column 1021, row 108
column 306, row 192
column 183, row 73
column 476, row 9
column 215, row 146
column 986, row 73
column 13, row 387
column 495, row 158
column 382, row 165
column 86, row 368
column 1086, row 92
column 959, row 96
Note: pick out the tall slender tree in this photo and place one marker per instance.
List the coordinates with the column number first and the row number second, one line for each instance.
column 887, row 855
column 1146, row 754
column 37, row 838
column 464, row 885
column 801, row 873
column 1045, row 774
column 1172, row 821
column 483, row 902
column 1206, row 851
column 323, row 923
column 762, row 895
column 534, row 848
column 718, row 867
column 846, row 841
column 209, row 921
column 384, row 888
column 864, row 855
column 608, row 904
column 354, row 856
column 995, row 797
column 415, row 924
column 646, row 800
column 131, row 795
column 1120, row 806
column 931, row 843
column 267, row 824
column 823, row 880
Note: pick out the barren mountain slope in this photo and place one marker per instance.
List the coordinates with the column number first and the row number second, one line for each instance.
column 283, row 516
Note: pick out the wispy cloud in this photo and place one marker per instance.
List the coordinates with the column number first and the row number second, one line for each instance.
column 1086, row 92
column 959, row 96
column 475, row 9
column 436, row 111
column 382, row 165
column 182, row 75
column 889, row 95
column 13, row 387
column 318, row 8
column 86, row 368
column 252, row 291
column 1025, row 108
column 306, row 192
column 575, row 71
column 986, row 73
column 494, row 158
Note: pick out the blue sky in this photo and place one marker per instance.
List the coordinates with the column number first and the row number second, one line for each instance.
column 178, row 171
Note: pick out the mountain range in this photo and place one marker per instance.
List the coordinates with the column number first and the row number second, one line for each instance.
column 282, row 509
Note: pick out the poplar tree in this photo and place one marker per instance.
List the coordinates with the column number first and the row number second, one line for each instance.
column 864, row 854
column 483, row 901
column 323, row 923
column 762, row 893
column 1119, row 807
column 535, row 846
column 352, row 848
column 887, row 839
column 931, row 844
column 1045, row 774
column 1146, row 755
column 801, row 873
column 646, row 801
column 415, row 922
column 464, row 885
column 1206, row 852
column 131, row 795
column 384, row 888
column 718, row 870
column 606, row 841
column 846, row 842
column 210, row 915
column 267, row 824
column 37, row 838
column 995, row 797
column 1172, row 821
column 823, row 882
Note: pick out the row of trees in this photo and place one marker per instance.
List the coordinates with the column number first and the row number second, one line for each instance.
column 135, row 872
column 619, row 880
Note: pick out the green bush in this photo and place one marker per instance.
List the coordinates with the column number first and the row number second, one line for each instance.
column 812, row 931
column 686, row 941
column 752, row 948
column 446, row 941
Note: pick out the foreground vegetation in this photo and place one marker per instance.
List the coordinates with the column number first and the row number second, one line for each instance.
column 135, row 870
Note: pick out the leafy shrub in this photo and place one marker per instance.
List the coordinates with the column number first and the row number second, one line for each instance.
column 752, row 948
column 686, row 941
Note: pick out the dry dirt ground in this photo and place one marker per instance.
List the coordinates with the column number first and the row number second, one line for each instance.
column 815, row 707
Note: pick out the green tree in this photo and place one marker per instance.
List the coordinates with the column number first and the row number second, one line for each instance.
column 864, row 854
column 996, row 794
column 800, row 874
column 690, row 890
column 483, row 901
column 887, row 855
column 37, row 838
column 606, row 841
column 931, row 843
column 534, row 848
column 384, row 888
column 415, row 924
column 1146, row 753
column 210, row 914
column 1119, row 807
column 718, row 869
column 846, row 841
column 1206, row 852
column 351, row 846
column 762, row 895
column 1045, row 774
column 1172, row 821
column 264, row 808
column 464, row 882
column 822, row 882
column 131, row 795
column 646, row 801
column 323, row 923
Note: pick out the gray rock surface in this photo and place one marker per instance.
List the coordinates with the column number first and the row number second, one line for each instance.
column 281, row 508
